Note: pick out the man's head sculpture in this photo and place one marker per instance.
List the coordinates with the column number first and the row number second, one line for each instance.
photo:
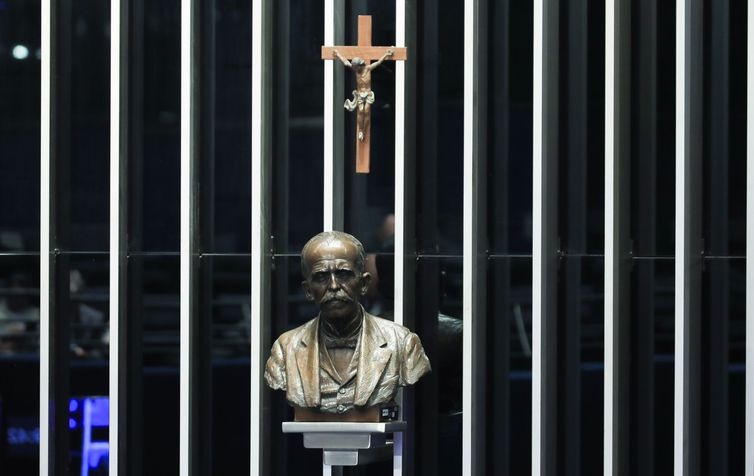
column 344, row 360
column 334, row 278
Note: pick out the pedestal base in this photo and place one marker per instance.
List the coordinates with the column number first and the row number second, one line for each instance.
column 351, row 444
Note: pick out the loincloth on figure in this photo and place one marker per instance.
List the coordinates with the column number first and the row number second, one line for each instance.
column 359, row 98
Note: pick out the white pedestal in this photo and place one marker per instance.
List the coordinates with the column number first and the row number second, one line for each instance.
column 351, row 444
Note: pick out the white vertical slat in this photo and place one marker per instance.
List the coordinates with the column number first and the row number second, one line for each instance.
column 257, row 239
column 400, row 166
column 611, row 267
column 749, row 444
column 44, row 240
column 469, row 277
column 680, row 423
column 537, row 236
column 687, row 237
column 329, row 157
column 187, row 106
column 400, row 198
column 115, row 232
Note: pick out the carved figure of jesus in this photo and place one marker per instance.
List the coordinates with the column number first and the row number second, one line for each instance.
column 363, row 96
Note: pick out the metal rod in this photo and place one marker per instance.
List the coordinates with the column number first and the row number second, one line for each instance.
column 400, row 177
column 544, row 236
column 467, row 440
column 188, row 9
column 687, row 237
column 118, row 214
column 257, row 240
column 617, row 240
column 474, row 237
column 44, row 238
column 749, row 443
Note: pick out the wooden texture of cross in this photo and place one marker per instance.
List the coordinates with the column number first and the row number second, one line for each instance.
column 366, row 52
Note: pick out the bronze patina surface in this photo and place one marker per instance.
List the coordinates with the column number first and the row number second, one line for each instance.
column 345, row 358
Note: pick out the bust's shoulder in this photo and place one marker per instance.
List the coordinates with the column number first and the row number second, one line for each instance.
column 296, row 334
column 389, row 327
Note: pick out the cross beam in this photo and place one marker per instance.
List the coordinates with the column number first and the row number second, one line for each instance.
column 367, row 52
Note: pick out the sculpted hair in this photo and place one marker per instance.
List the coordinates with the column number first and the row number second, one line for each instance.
column 333, row 236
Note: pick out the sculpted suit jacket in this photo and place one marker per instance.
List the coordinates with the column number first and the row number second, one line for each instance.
column 389, row 355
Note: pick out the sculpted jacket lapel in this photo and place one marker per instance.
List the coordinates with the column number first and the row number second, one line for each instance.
column 373, row 357
column 307, row 362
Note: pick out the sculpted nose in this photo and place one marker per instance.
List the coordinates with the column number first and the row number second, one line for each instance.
column 333, row 282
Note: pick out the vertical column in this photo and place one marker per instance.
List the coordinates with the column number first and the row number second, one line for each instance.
column 197, row 128
column 405, row 246
column 643, row 352
column 46, row 258
column 54, row 206
column 749, row 448
column 189, row 141
column 617, row 241
column 261, row 228
column 716, row 166
column 334, row 120
column 545, row 243
column 118, row 365
column 688, row 247
column 474, row 235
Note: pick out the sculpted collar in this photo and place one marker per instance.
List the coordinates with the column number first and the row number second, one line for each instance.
column 332, row 338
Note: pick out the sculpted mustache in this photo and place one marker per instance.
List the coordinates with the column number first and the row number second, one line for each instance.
column 339, row 296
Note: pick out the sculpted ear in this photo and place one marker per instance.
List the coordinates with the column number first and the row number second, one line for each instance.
column 366, row 278
column 307, row 291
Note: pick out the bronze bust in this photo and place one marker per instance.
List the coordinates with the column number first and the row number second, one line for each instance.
column 345, row 358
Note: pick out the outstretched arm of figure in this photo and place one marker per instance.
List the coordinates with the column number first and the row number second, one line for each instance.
column 388, row 54
column 337, row 54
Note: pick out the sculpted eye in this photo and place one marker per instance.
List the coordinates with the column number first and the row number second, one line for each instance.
column 344, row 274
column 320, row 276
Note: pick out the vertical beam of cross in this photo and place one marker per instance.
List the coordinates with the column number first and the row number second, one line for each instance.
column 365, row 51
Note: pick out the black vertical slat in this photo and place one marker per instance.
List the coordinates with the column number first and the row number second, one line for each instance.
column 131, row 272
column 427, row 286
column 59, row 235
column 498, row 317
column 546, row 433
column 573, row 230
column 644, row 130
column 716, row 314
column 202, row 206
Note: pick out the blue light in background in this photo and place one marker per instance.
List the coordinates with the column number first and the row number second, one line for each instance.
column 72, row 423
column 73, row 406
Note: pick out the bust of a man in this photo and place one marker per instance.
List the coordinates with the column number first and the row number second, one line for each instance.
column 345, row 358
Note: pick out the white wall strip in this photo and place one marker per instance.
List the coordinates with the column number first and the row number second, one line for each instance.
column 749, row 448
column 688, row 238
column 44, row 240
column 115, row 232
column 256, row 237
column 400, row 165
column 611, row 262
column 329, row 152
column 187, row 140
column 469, row 60
column 258, row 229
column 680, row 410
column 537, row 237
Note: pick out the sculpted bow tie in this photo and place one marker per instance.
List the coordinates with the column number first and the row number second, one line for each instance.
column 341, row 342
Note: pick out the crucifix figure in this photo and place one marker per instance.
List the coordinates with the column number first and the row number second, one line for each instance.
column 358, row 59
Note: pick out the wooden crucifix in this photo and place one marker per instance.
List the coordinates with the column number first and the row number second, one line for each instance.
column 359, row 60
